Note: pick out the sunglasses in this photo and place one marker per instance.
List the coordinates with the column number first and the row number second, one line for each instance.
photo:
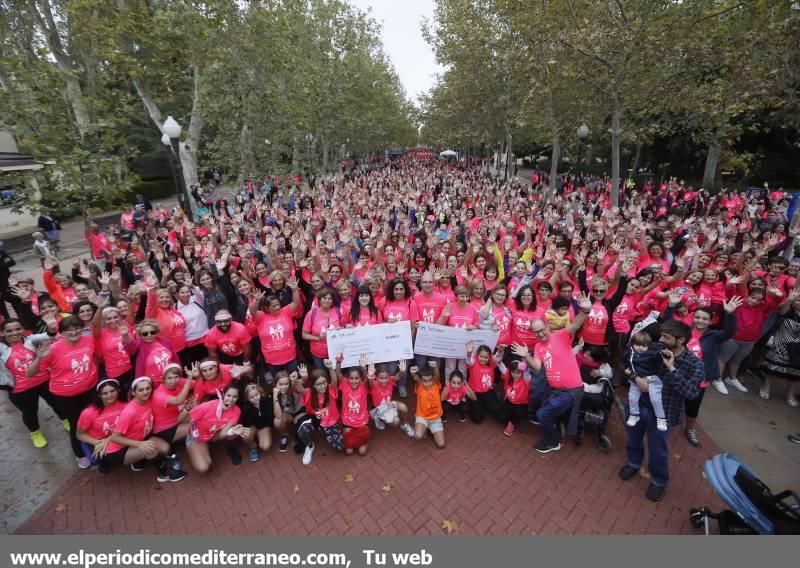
column 224, row 322
column 598, row 290
column 148, row 333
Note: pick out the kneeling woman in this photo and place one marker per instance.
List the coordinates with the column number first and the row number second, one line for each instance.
column 321, row 412
column 131, row 443
column 168, row 402
column 97, row 421
column 214, row 421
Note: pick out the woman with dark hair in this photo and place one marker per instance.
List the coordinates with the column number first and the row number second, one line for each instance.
column 70, row 364
column 363, row 311
column 276, row 330
column 17, row 352
column 782, row 360
column 319, row 319
column 84, row 310
column 97, row 421
column 213, row 421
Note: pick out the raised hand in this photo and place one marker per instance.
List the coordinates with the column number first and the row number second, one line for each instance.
column 584, row 301
column 303, row 370
column 733, row 304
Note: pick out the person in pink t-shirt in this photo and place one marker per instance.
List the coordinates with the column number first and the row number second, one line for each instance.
column 319, row 319
column 355, row 415
column 455, row 394
column 461, row 314
column 215, row 377
column 214, row 421
column 386, row 410
column 228, row 341
column 98, row 420
column 564, row 391
column 276, row 329
column 71, row 367
column 112, row 335
column 516, row 387
column 321, row 412
column 169, row 400
column 131, row 442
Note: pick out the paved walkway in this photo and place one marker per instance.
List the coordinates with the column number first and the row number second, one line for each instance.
column 484, row 482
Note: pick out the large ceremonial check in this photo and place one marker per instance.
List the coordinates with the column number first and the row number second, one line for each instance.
column 380, row 343
column 443, row 341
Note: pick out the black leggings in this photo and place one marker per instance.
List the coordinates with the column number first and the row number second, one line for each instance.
column 486, row 403
column 510, row 412
column 693, row 406
column 73, row 406
column 28, row 403
column 193, row 354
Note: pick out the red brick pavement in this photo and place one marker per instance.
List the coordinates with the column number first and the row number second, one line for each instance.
column 483, row 481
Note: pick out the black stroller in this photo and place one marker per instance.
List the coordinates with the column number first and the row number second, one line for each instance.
column 598, row 399
column 753, row 507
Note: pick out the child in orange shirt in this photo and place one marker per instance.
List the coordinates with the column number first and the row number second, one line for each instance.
column 429, row 403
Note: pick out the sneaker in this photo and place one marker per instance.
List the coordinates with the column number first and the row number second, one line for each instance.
column 172, row 477
column 661, row 424
column 720, row 386
column 462, row 417
column 66, row 425
column 403, row 391
column 763, row 393
column 627, row 472
column 655, row 492
column 139, row 466
column 509, row 429
column 691, row 435
column 543, row 447
column 444, row 418
column 405, row 427
column 633, row 420
column 794, row 437
column 736, row 383
column 253, row 454
column 380, row 424
column 84, row 463
column 792, row 402
column 535, row 421
column 284, row 445
column 308, row 454
column 236, row 457
column 38, row 439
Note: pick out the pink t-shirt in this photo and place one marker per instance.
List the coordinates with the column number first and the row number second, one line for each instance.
column 463, row 316
column 206, row 423
column 624, row 314
column 400, row 310
column 202, row 389
column 354, row 404
column 72, row 367
column 100, row 423
column 559, row 361
column 456, row 395
column 277, row 337
column 481, row 377
column 113, row 351
column 381, row 394
column 517, row 392
column 429, row 308
column 18, row 362
column 594, row 327
column 521, row 327
column 314, row 322
column 502, row 320
column 157, row 360
column 231, row 343
column 328, row 415
column 365, row 317
column 135, row 422
column 164, row 415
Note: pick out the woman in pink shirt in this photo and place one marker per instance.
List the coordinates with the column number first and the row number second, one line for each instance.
column 321, row 412
column 97, row 421
column 355, row 415
column 276, row 330
column 17, row 352
column 169, row 401
column 153, row 352
column 70, row 363
column 214, row 421
column 523, row 313
column 113, row 334
column 161, row 308
column 462, row 314
column 131, row 442
column 321, row 318
column 363, row 311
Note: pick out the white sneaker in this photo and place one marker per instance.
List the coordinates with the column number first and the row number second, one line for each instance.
column 84, row 463
column 735, row 383
column 407, row 429
column 661, row 424
column 720, row 386
column 307, row 455
column 633, row 419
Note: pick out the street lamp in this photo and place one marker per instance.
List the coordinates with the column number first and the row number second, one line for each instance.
column 171, row 137
column 583, row 132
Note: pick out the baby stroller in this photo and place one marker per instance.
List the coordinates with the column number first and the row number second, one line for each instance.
column 598, row 398
column 753, row 507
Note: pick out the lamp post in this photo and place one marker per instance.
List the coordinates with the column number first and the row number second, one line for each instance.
column 583, row 132
column 171, row 137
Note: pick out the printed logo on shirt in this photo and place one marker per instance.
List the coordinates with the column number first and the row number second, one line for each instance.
column 547, row 360
column 108, row 429
column 276, row 332
column 22, row 363
column 80, row 366
column 596, row 316
column 162, row 360
column 228, row 348
column 353, row 407
column 486, row 380
column 427, row 315
column 177, row 319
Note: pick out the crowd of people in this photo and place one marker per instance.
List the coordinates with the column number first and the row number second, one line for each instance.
column 186, row 334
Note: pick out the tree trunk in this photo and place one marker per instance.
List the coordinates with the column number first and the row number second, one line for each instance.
column 636, row 159
column 325, row 149
column 712, row 161
column 554, row 161
column 295, row 156
column 509, row 145
column 245, row 154
column 616, row 132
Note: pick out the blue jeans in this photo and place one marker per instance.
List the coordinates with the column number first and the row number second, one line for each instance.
column 555, row 405
column 657, row 447
column 289, row 367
